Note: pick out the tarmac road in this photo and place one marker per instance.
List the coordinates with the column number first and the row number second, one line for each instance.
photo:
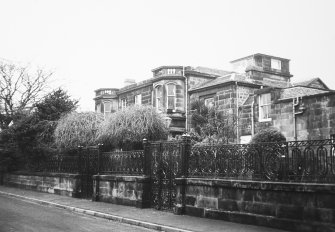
column 21, row 216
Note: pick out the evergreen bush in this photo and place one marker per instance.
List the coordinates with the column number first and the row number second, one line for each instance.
column 268, row 135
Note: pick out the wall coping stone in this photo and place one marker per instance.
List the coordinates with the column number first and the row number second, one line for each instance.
column 51, row 174
column 122, row 178
column 260, row 185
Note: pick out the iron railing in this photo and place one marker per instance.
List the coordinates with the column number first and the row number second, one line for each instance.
column 61, row 163
column 301, row 161
column 296, row 161
column 123, row 162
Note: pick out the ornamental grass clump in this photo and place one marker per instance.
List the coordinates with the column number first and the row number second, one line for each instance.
column 77, row 129
column 126, row 129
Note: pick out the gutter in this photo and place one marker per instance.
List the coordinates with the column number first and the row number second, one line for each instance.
column 237, row 118
column 252, row 117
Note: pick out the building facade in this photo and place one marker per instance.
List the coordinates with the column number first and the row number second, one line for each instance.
column 258, row 91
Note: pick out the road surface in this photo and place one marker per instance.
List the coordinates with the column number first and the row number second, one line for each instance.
column 21, row 216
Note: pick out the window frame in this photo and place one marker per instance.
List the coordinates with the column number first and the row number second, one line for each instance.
column 98, row 108
column 261, row 106
column 174, row 95
column 277, row 62
column 123, row 103
column 159, row 104
column 138, row 99
column 110, row 107
column 171, row 71
column 206, row 100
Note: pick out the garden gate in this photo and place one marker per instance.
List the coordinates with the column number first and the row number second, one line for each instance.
column 167, row 162
column 88, row 166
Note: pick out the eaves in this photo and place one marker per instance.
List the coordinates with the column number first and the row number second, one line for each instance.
column 149, row 83
column 307, row 96
column 232, row 82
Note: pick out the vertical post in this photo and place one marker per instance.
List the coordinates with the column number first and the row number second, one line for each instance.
column 80, row 150
column 80, row 171
column 146, row 164
column 286, row 168
column 147, row 158
column 186, row 149
column 181, row 182
column 97, row 176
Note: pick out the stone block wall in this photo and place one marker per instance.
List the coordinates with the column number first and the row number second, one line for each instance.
column 289, row 206
column 57, row 183
column 317, row 121
column 145, row 91
column 123, row 190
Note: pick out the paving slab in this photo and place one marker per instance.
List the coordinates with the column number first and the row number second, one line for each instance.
column 149, row 218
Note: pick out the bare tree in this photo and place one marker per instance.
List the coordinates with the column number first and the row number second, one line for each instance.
column 20, row 87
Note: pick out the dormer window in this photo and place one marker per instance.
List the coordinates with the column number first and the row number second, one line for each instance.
column 276, row 64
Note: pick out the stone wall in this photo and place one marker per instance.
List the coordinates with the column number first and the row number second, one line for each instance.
column 57, row 183
column 145, row 91
column 123, row 190
column 317, row 121
column 289, row 206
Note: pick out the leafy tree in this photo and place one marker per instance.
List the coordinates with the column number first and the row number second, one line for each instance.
column 212, row 124
column 30, row 138
column 55, row 104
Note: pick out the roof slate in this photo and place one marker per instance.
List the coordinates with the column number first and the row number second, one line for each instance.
column 240, row 78
column 309, row 83
column 300, row 91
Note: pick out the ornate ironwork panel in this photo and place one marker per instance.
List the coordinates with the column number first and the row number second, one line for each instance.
column 123, row 162
column 300, row 161
column 311, row 161
column 165, row 167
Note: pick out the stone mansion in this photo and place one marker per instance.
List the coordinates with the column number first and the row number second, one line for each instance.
column 258, row 90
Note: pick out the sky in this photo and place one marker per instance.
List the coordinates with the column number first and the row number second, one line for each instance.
column 92, row 44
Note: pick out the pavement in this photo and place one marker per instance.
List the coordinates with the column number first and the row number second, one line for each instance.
column 147, row 218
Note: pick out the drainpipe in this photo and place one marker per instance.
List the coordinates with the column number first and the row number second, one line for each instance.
column 186, row 100
column 237, row 119
column 252, row 117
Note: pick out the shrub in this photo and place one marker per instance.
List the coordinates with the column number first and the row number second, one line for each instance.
column 77, row 129
column 268, row 135
column 127, row 128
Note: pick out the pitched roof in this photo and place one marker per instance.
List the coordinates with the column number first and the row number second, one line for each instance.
column 236, row 77
column 315, row 82
column 300, row 91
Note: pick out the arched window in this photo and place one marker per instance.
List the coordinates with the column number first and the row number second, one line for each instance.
column 159, row 97
column 171, row 96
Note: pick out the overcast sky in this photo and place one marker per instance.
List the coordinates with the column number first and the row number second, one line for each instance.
column 97, row 44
